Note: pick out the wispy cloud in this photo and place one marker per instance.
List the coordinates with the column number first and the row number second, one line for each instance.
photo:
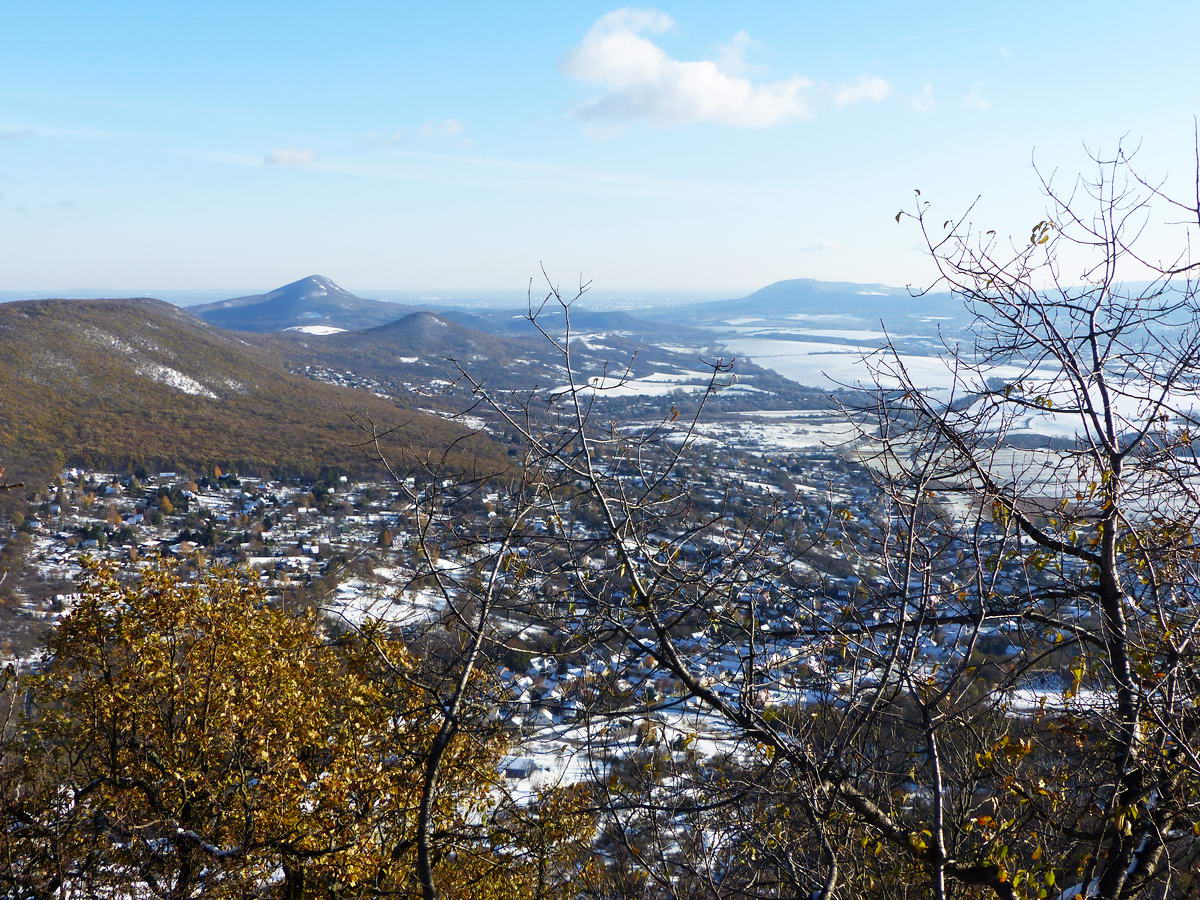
column 923, row 101
column 433, row 130
column 444, row 128
column 950, row 32
column 973, row 99
column 56, row 206
column 491, row 174
column 296, row 157
column 820, row 247
column 16, row 134
column 865, row 88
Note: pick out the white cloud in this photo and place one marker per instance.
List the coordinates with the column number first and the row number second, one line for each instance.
column 444, row 128
column 641, row 81
column 731, row 55
column 922, row 102
column 975, row 100
column 864, row 89
column 819, row 247
column 291, row 156
column 16, row 134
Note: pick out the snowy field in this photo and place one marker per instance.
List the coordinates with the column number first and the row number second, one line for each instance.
column 316, row 329
column 656, row 384
column 833, row 365
column 780, row 430
column 356, row 600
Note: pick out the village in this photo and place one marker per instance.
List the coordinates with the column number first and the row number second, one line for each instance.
column 369, row 550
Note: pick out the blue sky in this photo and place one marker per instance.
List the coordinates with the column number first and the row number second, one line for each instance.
column 698, row 146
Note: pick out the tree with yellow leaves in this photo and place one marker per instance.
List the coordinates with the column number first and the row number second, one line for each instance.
column 188, row 738
column 195, row 739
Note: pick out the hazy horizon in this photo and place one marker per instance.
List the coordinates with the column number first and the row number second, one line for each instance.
column 483, row 297
column 699, row 144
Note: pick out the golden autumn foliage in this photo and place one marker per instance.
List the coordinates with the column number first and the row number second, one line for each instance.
column 189, row 738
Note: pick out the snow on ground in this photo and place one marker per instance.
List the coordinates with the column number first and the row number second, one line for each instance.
column 820, row 317
column 853, row 334
column 832, row 365
column 786, row 413
column 771, row 429
column 762, row 486
column 745, row 389
column 356, row 600
column 176, row 379
column 807, row 362
column 464, row 419
column 1132, row 408
column 681, row 375
column 846, row 334
column 560, row 758
column 795, row 435
column 1029, row 700
column 694, row 439
column 315, row 329
column 115, row 342
column 612, row 386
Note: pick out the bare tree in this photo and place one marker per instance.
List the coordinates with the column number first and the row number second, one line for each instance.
column 1080, row 550
column 999, row 699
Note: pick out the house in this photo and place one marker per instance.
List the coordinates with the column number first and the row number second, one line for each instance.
column 517, row 767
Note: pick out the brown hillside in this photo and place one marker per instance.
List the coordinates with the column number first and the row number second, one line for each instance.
column 126, row 382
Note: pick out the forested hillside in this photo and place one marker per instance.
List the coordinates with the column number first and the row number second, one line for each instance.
column 138, row 382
